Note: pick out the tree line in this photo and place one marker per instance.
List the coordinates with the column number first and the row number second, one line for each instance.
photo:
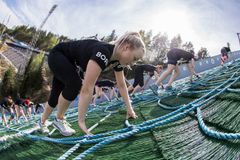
column 157, row 45
column 34, row 82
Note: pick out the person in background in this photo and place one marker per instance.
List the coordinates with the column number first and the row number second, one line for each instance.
column 19, row 107
column 139, row 83
column 6, row 105
column 174, row 55
column 28, row 104
column 224, row 54
column 104, row 85
column 38, row 108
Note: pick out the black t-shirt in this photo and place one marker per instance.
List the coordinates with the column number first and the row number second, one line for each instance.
column 145, row 68
column 178, row 54
column 105, row 83
column 19, row 101
column 227, row 49
column 81, row 51
column 3, row 103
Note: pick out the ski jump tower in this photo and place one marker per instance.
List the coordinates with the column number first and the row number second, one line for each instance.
column 35, row 38
column 238, row 34
column 36, row 35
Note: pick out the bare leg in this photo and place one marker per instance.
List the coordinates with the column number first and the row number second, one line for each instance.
column 191, row 70
column 4, row 119
column 97, row 94
column 63, row 105
column 46, row 113
column 174, row 76
column 137, row 88
column 130, row 89
column 94, row 99
column 29, row 111
column 115, row 93
column 104, row 94
column 18, row 113
column 222, row 61
column 22, row 113
column 165, row 74
column 11, row 115
column 111, row 93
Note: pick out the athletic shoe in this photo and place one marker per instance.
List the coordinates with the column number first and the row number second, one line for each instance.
column 197, row 76
column 168, row 88
column 154, row 89
column 132, row 95
column 43, row 127
column 64, row 127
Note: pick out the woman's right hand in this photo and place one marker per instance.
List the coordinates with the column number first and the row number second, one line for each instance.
column 84, row 128
column 131, row 113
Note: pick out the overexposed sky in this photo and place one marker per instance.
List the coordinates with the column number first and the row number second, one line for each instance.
column 207, row 23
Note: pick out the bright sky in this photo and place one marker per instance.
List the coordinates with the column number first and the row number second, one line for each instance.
column 207, row 23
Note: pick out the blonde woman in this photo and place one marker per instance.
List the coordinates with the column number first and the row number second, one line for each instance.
column 91, row 57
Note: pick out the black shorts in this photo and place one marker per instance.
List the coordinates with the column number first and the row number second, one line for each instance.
column 224, row 52
column 138, row 78
column 105, row 83
column 19, row 102
column 173, row 58
column 6, row 108
column 66, row 79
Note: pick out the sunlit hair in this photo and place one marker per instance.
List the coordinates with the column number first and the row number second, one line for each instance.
column 133, row 39
column 159, row 66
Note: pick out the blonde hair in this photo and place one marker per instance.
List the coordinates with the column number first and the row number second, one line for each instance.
column 133, row 39
column 160, row 66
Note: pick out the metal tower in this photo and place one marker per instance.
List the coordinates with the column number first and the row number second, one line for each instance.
column 238, row 34
column 4, row 28
column 36, row 35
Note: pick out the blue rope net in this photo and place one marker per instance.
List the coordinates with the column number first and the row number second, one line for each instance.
column 207, row 90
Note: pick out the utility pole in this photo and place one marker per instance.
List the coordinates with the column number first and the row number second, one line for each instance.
column 37, row 34
column 35, row 37
column 238, row 34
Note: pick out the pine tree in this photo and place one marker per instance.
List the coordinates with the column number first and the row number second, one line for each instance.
column 8, row 86
column 32, row 80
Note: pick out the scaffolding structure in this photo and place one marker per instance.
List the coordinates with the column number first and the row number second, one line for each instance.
column 238, row 34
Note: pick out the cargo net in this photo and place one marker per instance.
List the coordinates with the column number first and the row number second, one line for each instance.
column 199, row 120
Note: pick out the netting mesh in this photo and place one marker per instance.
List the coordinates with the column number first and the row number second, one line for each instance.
column 180, row 139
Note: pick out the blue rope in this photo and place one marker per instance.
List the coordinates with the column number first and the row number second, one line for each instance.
column 215, row 134
column 109, row 137
column 139, row 128
column 168, row 107
column 69, row 152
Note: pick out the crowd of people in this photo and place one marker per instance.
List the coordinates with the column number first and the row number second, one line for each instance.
column 84, row 60
column 17, row 108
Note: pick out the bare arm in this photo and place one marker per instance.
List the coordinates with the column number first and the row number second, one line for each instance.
column 92, row 73
column 124, row 93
